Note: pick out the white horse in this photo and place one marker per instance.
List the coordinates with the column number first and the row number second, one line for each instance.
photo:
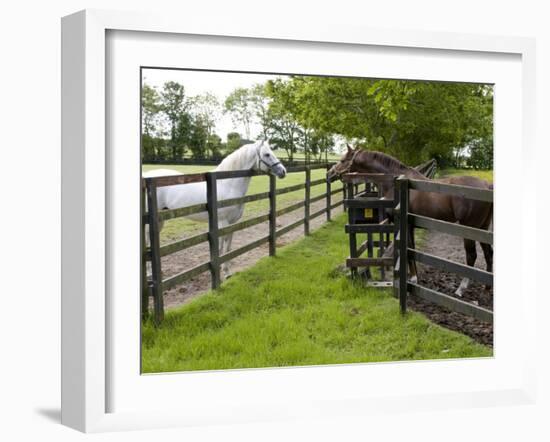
column 256, row 156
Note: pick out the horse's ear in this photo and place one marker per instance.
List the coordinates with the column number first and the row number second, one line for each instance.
column 350, row 149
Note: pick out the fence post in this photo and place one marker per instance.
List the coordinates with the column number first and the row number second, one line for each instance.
column 403, row 240
column 144, row 285
column 307, row 200
column 154, row 241
column 272, row 215
column 213, row 236
column 329, row 189
column 396, row 237
column 351, row 221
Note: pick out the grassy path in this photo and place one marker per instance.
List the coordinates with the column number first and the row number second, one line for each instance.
column 296, row 309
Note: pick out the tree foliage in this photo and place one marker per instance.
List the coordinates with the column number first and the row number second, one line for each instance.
column 411, row 120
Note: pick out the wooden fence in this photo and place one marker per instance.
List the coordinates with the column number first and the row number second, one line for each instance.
column 314, row 163
column 402, row 251
column 157, row 285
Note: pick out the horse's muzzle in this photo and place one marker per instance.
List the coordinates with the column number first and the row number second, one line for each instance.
column 279, row 170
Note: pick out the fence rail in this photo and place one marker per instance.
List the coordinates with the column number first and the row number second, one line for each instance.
column 156, row 285
column 402, row 251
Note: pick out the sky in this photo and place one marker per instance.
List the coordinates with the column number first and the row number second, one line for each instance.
column 220, row 84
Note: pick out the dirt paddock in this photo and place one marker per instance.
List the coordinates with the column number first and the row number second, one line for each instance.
column 451, row 247
column 193, row 256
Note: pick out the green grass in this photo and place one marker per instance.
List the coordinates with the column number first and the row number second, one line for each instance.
column 296, row 309
column 483, row 174
column 179, row 227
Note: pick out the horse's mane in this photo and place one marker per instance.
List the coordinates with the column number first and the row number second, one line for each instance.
column 389, row 162
column 235, row 160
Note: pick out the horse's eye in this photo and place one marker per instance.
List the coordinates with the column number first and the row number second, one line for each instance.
column 266, row 155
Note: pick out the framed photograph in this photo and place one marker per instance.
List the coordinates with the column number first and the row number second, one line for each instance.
column 285, row 223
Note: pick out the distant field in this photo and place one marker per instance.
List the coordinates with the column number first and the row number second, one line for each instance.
column 175, row 229
column 483, row 174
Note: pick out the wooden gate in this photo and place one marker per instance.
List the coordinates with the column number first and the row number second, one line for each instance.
column 402, row 285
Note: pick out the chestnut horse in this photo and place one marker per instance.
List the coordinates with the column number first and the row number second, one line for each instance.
column 440, row 206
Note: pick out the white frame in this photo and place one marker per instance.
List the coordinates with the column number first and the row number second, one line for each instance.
column 84, row 313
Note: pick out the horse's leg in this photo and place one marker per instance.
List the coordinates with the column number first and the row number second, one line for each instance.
column 471, row 255
column 488, row 253
column 223, row 249
column 413, row 272
column 228, row 240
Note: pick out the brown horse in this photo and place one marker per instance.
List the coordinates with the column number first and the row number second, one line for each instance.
column 440, row 206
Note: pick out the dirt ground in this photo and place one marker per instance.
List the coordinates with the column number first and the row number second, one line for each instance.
column 193, row 256
column 451, row 247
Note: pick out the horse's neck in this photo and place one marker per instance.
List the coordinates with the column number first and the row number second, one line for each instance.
column 403, row 169
column 243, row 159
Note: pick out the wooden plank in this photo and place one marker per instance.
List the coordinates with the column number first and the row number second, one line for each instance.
column 243, row 249
column 291, row 208
column 307, row 197
column 364, row 245
column 290, row 227
column 317, row 182
column 168, row 283
column 472, row 233
column 291, row 188
column 318, row 213
column 338, row 190
column 450, row 266
column 359, row 178
column 450, row 303
column 336, row 204
column 183, row 244
column 469, row 192
column 272, row 215
column 403, row 184
column 175, row 180
column 213, row 231
column 243, row 224
column 244, row 199
column 154, row 241
column 182, row 211
column 318, row 198
column 363, row 203
column 228, row 174
column 369, row 262
column 369, row 228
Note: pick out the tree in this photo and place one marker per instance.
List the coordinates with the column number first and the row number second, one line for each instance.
column 481, row 153
column 214, row 145
column 233, row 142
column 280, row 124
column 239, row 105
column 198, row 138
column 150, row 108
column 409, row 119
column 174, row 104
column 208, row 108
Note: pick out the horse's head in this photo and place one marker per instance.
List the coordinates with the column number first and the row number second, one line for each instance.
column 345, row 165
column 268, row 162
